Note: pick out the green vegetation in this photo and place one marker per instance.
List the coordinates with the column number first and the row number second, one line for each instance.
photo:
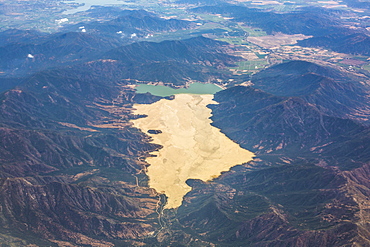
column 254, row 32
column 367, row 67
column 251, row 65
column 212, row 18
column 233, row 40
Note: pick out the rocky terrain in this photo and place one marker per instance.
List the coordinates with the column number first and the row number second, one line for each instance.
column 306, row 195
column 327, row 26
column 73, row 166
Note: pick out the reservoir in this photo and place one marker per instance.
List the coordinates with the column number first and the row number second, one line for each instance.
column 192, row 147
column 163, row 91
column 88, row 3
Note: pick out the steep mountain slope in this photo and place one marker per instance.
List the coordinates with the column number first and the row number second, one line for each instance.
column 198, row 50
column 72, row 167
column 128, row 64
column 333, row 92
column 176, row 62
column 325, row 25
column 291, row 205
column 55, row 50
column 141, row 23
column 297, row 108
column 350, row 42
column 358, row 4
column 288, row 126
column 24, row 52
column 129, row 22
column 19, row 36
column 71, row 163
column 308, row 21
column 8, row 83
column 181, row 61
column 56, row 210
column 303, row 189
column 67, row 173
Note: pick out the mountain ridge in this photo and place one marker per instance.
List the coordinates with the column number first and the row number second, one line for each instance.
column 73, row 169
column 330, row 90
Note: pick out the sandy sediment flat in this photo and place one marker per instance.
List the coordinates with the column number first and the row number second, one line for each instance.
column 192, row 148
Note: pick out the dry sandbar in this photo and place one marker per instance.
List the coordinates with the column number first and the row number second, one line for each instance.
column 192, row 147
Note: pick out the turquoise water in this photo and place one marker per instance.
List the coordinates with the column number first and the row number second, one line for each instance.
column 88, row 3
column 163, row 91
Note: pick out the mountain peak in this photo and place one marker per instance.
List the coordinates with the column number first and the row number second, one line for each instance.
column 332, row 91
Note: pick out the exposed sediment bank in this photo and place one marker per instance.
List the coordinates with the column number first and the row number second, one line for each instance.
column 192, row 147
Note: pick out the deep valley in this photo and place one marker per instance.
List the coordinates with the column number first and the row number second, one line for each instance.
column 282, row 134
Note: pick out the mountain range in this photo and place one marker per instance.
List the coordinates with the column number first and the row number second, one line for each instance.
column 72, row 166
column 306, row 185
column 325, row 25
column 25, row 52
column 68, row 169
